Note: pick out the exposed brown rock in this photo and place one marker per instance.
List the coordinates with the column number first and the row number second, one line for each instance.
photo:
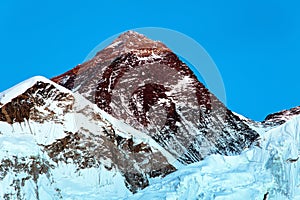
column 88, row 150
column 33, row 166
column 117, row 71
column 23, row 107
column 281, row 117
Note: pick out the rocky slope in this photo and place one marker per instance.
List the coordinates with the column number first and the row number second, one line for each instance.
column 144, row 84
column 281, row 117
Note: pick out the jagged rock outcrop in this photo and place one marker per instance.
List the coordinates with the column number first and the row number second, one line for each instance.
column 281, row 117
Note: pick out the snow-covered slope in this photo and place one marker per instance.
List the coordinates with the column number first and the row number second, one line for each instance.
column 27, row 172
column 268, row 170
column 55, row 143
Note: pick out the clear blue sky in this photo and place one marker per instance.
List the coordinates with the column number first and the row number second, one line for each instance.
column 255, row 44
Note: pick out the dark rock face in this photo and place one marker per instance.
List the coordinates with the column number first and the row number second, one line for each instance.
column 281, row 117
column 144, row 84
column 34, row 167
column 23, row 107
column 87, row 150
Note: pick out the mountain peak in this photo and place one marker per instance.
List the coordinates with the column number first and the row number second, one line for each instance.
column 129, row 41
column 133, row 41
column 131, row 34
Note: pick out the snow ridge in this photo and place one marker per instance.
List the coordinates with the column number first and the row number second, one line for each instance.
column 7, row 95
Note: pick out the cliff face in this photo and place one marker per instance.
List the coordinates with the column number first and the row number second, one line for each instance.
column 144, row 84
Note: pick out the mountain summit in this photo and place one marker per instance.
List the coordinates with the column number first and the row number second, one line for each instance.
column 132, row 41
column 127, row 42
